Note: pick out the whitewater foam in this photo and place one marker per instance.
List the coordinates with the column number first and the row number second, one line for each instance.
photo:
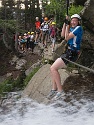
column 28, row 112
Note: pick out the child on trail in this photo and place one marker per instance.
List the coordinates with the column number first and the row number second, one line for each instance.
column 23, row 43
column 53, row 31
column 19, row 42
column 73, row 36
column 28, row 41
column 32, row 42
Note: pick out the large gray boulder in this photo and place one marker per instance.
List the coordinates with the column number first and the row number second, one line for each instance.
column 40, row 85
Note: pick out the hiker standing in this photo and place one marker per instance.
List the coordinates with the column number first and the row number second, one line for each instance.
column 41, row 31
column 32, row 42
column 53, row 31
column 23, row 43
column 37, row 25
column 19, row 42
column 28, row 41
column 73, row 35
column 45, row 31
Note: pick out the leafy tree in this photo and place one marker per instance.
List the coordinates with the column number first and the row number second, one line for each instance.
column 7, row 9
column 21, row 18
column 56, row 8
column 75, row 9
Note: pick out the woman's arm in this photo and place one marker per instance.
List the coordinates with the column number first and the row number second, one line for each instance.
column 68, row 35
column 63, row 30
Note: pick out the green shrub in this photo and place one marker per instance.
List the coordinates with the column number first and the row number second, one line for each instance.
column 20, row 83
column 6, row 86
column 75, row 9
column 28, row 78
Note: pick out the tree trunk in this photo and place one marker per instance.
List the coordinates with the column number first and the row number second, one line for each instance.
column 6, row 43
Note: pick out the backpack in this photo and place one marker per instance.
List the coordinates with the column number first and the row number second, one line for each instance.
column 45, row 26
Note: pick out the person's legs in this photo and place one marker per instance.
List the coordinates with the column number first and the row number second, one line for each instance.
column 36, row 37
column 59, row 63
column 40, row 36
column 53, row 44
column 32, row 46
column 27, row 45
column 43, row 37
column 45, row 41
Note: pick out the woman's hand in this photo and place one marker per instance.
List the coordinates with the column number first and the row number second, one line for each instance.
column 67, row 21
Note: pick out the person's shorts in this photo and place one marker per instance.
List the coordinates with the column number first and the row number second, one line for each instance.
column 38, row 31
column 53, row 40
column 71, row 55
column 45, row 32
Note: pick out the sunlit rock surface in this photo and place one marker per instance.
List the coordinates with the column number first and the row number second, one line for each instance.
column 40, row 85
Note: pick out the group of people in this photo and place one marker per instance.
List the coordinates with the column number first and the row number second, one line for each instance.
column 45, row 31
column 26, row 42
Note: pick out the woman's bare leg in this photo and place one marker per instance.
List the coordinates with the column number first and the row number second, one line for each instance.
column 59, row 63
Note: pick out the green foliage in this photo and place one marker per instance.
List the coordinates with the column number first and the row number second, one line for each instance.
column 58, row 9
column 10, row 84
column 55, row 7
column 27, row 79
column 6, row 86
column 75, row 9
column 10, row 25
column 13, row 85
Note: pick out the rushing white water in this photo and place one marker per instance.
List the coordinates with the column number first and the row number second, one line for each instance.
column 28, row 112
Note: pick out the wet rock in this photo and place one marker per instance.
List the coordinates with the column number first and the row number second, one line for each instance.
column 9, row 99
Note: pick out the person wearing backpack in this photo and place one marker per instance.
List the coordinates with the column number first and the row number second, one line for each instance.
column 37, row 31
column 53, row 31
column 45, row 31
